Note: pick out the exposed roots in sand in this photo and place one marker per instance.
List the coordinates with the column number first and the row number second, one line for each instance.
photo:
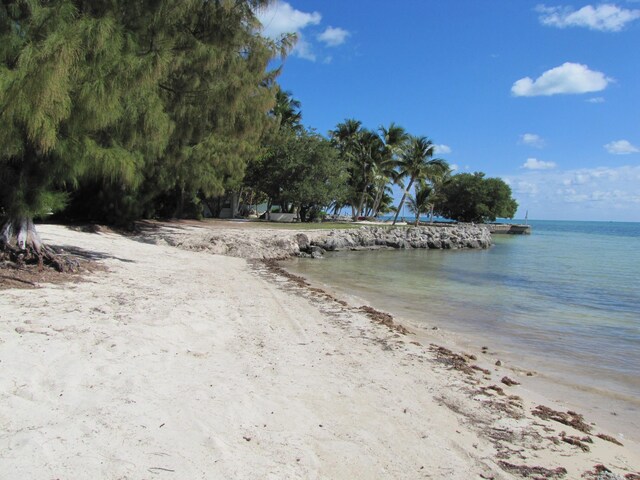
column 20, row 245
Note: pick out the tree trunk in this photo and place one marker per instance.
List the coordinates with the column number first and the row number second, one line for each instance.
column 21, row 244
column 377, row 200
column 417, row 219
column 180, row 204
column 404, row 196
column 267, row 215
column 361, row 203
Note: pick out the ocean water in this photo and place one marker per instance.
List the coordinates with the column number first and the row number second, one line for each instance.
column 564, row 300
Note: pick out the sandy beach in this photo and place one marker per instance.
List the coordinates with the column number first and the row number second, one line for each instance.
column 179, row 362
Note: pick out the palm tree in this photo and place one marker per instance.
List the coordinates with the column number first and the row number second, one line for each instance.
column 422, row 200
column 361, row 149
column 372, row 159
column 345, row 138
column 287, row 110
column 415, row 163
column 437, row 176
column 345, row 134
column 383, row 173
column 395, row 139
column 370, row 152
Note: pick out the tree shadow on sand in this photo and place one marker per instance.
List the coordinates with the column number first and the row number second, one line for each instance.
column 87, row 255
column 85, row 262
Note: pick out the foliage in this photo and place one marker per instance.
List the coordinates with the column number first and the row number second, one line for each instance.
column 286, row 111
column 138, row 101
column 127, row 109
column 371, row 159
column 422, row 200
column 66, row 106
column 417, row 165
column 470, row 197
column 300, row 171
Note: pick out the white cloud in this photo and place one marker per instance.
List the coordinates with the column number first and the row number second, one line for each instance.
column 579, row 179
column 621, row 147
column 595, row 100
column 567, row 78
column 535, row 164
column 281, row 18
column 333, row 37
column 303, row 49
column 606, row 17
column 454, row 167
column 532, row 140
column 527, row 188
column 601, row 193
column 444, row 149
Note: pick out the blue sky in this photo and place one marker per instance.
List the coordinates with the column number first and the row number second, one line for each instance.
column 543, row 95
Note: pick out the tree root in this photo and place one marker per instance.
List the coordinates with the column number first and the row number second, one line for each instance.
column 21, row 245
column 46, row 257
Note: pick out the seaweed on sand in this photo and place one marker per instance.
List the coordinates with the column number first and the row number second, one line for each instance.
column 569, row 418
column 532, row 472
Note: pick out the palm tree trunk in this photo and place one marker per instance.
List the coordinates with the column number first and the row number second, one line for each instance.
column 378, row 199
column 404, row 196
column 361, row 203
column 368, row 211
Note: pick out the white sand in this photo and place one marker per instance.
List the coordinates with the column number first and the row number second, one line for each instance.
column 187, row 365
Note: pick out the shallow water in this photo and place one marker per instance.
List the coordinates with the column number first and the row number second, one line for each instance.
column 564, row 300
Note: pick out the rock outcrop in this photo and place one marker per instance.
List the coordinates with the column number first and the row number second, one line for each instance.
column 460, row 236
column 260, row 243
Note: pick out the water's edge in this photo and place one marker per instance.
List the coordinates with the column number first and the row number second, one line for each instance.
column 536, row 317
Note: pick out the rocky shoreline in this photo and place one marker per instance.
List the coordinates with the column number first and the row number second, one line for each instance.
column 366, row 238
column 261, row 243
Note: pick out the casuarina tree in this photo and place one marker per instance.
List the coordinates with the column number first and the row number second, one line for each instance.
column 164, row 93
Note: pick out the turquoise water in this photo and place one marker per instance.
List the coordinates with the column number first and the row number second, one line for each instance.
column 565, row 299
